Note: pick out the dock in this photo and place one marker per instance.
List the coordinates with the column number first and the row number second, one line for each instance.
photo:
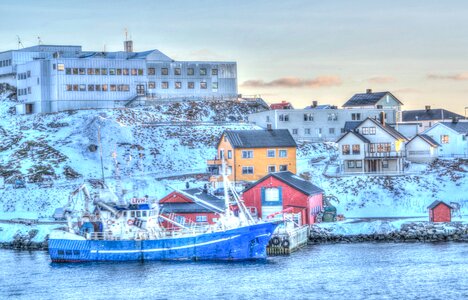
column 284, row 242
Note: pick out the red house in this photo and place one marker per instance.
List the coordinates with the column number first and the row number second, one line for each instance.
column 283, row 190
column 440, row 211
column 281, row 105
column 183, row 209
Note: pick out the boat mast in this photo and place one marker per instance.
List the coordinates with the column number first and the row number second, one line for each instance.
column 225, row 185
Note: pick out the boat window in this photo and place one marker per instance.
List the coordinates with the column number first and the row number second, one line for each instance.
column 112, row 215
column 76, row 252
column 60, row 252
column 132, row 214
column 68, row 252
column 125, row 214
column 138, row 213
column 144, row 213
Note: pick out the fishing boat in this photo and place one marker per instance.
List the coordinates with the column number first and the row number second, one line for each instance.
column 133, row 231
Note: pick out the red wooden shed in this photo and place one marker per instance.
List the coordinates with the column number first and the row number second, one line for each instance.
column 183, row 209
column 440, row 211
column 281, row 105
column 284, row 190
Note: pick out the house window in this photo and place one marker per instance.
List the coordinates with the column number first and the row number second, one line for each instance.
column 332, row 117
column 283, row 168
column 271, row 169
column 134, row 72
column 104, row 87
column 68, row 71
column 151, row 85
column 283, row 153
column 350, row 164
column 319, row 131
column 90, row 71
column 164, row 71
column 191, row 85
column 359, row 164
column 202, row 71
column 60, row 67
column 331, row 130
column 82, row 87
column 294, row 131
column 151, row 71
column 356, row 116
column 247, row 154
column 98, row 87
column 214, row 85
column 345, row 150
column 272, row 194
column 308, row 117
column 82, row 71
column 164, row 85
column 201, row 218
column 69, row 87
column 383, row 147
column 307, row 131
column 214, row 72
column 268, row 118
column 113, row 87
column 444, row 139
column 283, row 117
column 118, row 71
column 125, row 72
column 247, row 170
column 385, row 164
column 203, row 85
column 140, row 72
column 372, row 130
column 103, row 71
column 177, row 71
column 357, row 149
column 271, row 153
column 229, row 153
column 90, row 87
column 111, row 71
column 178, row 85
column 190, row 71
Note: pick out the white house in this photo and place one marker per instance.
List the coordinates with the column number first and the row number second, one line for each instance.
column 372, row 147
column 452, row 137
column 426, row 118
column 422, row 149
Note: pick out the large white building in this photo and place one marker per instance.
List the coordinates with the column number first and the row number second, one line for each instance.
column 51, row 78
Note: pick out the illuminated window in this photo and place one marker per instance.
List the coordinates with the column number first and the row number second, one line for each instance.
column 444, row 139
column 345, row 149
column 177, row 71
column 202, row 71
column 178, row 85
column 203, row 85
column 151, row 85
column 60, row 67
column 164, row 85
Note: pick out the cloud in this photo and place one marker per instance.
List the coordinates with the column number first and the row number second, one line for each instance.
column 408, row 91
column 295, row 82
column 457, row 77
column 381, row 79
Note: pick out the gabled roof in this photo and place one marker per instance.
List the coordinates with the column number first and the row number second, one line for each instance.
column 436, row 203
column 259, row 138
column 193, row 207
column 351, row 125
column 389, row 129
column 428, row 115
column 357, row 134
column 427, row 139
column 460, row 127
column 366, row 99
column 292, row 180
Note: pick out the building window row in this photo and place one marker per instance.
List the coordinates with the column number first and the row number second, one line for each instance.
column 178, row 85
column 380, row 147
column 5, row 63
column 247, row 154
column 178, row 71
column 354, row 164
column 103, row 71
column 272, row 168
column 283, row 117
column 24, row 75
column 369, row 130
column 25, row 91
column 346, row 149
column 98, row 87
column 247, row 170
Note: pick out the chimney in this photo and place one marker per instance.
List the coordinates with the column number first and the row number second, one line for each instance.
column 428, row 107
column 382, row 118
column 369, row 91
column 314, row 104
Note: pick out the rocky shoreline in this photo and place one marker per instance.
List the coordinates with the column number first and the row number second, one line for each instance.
column 24, row 242
column 408, row 233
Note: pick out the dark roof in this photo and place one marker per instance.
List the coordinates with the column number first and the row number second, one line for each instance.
column 259, row 138
column 357, row 134
column 428, row 115
column 292, row 180
column 366, row 99
column 429, row 139
column 436, row 203
column 184, row 207
column 460, row 127
column 351, row 125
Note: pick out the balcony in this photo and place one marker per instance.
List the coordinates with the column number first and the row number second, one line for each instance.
column 391, row 154
column 214, row 162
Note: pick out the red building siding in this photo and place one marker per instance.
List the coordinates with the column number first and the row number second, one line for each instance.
column 307, row 205
column 440, row 213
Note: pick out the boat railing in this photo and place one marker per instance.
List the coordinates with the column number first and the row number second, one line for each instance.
column 106, row 235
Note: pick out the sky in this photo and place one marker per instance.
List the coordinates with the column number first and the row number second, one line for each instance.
column 298, row 51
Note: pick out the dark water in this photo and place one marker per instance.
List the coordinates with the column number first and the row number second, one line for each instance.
column 356, row 271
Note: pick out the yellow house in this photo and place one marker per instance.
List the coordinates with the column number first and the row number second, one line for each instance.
column 252, row 154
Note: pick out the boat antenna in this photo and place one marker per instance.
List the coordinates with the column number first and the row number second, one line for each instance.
column 225, row 185
column 100, row 153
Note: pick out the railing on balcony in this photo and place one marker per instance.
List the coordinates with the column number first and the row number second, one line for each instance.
column 383, row 154
column 214, row 162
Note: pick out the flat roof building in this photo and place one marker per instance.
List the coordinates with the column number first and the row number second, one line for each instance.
column 52, row 78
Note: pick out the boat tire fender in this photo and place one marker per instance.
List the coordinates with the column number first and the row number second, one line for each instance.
column 275, row 241
column 285, row 243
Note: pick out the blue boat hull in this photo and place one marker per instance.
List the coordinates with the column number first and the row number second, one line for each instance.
column 242, row 243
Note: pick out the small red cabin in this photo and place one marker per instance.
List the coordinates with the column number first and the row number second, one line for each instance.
column 182, row 208
column 281, row 105
column 440, row 211
column 279, row 191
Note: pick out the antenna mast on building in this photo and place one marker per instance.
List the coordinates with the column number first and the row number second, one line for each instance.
column 20, row 44
column 128, row 44
column 39, row 41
